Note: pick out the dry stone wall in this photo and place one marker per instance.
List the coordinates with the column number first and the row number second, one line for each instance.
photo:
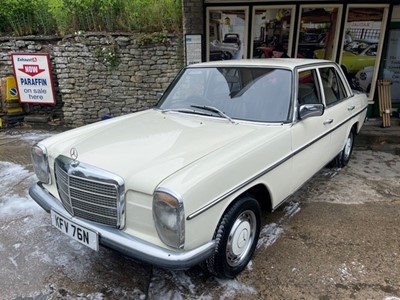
column 99, row 75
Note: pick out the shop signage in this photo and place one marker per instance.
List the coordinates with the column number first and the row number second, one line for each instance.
column 33, row 78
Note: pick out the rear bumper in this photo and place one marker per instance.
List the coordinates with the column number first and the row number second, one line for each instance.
column 125, row 243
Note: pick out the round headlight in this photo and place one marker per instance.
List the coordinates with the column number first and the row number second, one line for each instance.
column 169, row 218
column 40, row 163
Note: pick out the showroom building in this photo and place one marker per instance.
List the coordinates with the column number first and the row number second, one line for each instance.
column 362, row 36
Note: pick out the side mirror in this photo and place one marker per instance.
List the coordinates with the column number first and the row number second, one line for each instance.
column 311, row 110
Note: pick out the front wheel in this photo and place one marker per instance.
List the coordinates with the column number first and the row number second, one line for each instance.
column 236, row 238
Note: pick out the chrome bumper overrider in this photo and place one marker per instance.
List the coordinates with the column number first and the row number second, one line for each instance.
column 127, row 244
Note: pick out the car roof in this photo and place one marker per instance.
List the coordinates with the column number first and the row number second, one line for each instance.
column 287, row 63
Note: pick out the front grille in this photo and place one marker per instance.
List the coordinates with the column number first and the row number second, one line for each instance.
column 90, row 193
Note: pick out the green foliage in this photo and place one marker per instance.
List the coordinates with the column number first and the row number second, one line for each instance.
column 23, row 17
column 17, row 16
column 108, row 55
column 159, row 38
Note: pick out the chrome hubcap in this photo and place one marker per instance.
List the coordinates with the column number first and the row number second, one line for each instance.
column 241, row 238
column 348, row 146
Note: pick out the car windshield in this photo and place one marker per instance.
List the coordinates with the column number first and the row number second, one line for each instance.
column 244, row 93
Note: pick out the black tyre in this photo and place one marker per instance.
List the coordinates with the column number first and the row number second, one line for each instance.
column 343, row 158
column 348, row 149
column 227, row 55
column 236, row 238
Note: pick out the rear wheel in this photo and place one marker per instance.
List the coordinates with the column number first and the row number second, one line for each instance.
column 343, row 158
column 348, row 148
column 236, row 238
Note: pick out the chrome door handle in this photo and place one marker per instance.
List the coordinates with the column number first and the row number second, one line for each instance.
column 350, row 108
column 329, row 121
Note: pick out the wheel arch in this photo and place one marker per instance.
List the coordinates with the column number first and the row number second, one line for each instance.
column 356, row 127
column 260, row 192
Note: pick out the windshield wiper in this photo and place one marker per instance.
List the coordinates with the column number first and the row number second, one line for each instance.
column 214, row 109
column 184, row 110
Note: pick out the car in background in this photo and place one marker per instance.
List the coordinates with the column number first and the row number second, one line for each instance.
column 229, row 50
column 217, row 55
column 363, row 78
column 266, row 52
column 187, row 182
column 263, row 52
column 310, row 37
column 357, row 54
column 232, row 38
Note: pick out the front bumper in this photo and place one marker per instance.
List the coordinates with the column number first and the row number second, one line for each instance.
column 125, row 243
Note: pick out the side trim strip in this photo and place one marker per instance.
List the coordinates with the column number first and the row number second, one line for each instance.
column 239, row 187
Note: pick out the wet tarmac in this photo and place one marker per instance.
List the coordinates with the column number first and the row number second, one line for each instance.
column 337, row 238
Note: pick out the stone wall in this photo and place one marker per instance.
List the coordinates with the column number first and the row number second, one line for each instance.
column 98, row 74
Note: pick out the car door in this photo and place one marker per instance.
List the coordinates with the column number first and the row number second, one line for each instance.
column 339, row 107
column 310, row 136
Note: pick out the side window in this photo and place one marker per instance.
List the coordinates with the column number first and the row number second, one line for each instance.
column 333, row 86
column 307, row 88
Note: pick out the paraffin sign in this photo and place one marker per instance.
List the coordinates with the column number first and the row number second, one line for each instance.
column 33, row 78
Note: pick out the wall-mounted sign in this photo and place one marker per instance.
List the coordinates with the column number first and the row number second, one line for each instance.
column 193, row 48
column 33, row 78
column 392, row 64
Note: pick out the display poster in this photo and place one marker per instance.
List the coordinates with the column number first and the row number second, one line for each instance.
column 33, row 78
column 193, row 49
column 392, row 64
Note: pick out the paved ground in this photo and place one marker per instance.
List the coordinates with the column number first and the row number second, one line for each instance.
column 338, row 238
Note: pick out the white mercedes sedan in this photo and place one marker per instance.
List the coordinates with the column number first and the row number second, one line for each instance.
column 187, row 181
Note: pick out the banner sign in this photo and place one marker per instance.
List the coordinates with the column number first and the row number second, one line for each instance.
column 33, row 77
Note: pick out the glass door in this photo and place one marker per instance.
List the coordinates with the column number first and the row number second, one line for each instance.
column 318, row 31
column 227, row 33
column 362, row 45
column 272, row 26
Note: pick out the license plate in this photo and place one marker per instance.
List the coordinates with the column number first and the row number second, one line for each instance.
column 79, row 233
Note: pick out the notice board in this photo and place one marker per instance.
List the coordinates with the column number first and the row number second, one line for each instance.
column 33, row 77
column 392, row 64
column 193, row 48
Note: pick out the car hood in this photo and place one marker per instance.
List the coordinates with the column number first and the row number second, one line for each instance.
column 145, row 148
column 348, row 54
